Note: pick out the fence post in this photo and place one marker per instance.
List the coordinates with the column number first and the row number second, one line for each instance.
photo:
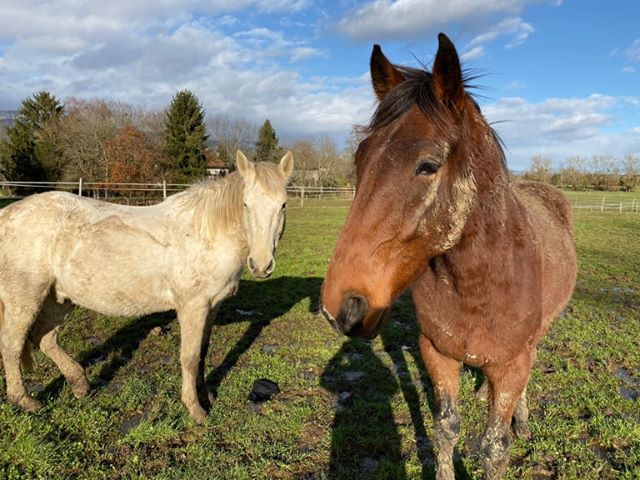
column 620, row 207
column 80, row 187
column 353, row 192
column 602, row 205
column 302, row 196
column 164, row 189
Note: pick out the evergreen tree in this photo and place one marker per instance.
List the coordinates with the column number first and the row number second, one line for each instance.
column 185, row 137
column 30, row 153
column 267, row 149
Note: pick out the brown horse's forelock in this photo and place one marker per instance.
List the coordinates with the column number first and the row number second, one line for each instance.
column 418, row 90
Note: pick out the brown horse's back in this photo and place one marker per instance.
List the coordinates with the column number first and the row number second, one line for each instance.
column 552, row 229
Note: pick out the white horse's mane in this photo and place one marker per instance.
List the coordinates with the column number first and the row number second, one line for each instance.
column 217, row 204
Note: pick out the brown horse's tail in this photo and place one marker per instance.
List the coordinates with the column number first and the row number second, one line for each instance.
column 27, row 359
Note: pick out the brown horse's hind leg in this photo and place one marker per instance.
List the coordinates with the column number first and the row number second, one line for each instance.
column 45, row 334
column 507, row 384
column 521, row 417
column 445, row 377
column 14, row 329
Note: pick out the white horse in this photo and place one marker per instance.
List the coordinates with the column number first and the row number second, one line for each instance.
column 184, row 254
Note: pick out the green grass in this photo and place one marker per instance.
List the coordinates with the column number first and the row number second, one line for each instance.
column 348, row 409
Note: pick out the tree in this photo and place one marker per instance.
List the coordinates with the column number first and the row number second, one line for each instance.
column 131, row 158
column 229, row 134
column 631, row 179
column 84, row 132
column 30, row 151
column 540, row 169
column 267, row 145
column 185, row 137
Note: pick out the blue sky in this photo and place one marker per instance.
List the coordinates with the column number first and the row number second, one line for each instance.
column 561, row 78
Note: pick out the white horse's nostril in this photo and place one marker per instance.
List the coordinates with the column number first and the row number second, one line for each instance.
column 270, row 267
column 252, row 264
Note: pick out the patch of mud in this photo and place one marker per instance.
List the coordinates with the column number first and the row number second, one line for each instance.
column 629, row 385
column 132, row 422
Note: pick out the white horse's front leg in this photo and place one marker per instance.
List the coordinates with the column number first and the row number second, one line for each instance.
column 193, row 326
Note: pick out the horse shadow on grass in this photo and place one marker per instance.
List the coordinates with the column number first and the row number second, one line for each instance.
column 257, row 303
column 366, row 441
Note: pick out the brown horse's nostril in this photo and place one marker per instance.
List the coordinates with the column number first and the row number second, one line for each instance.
column 353, row 310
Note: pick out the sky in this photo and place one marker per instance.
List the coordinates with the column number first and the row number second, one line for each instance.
column 559, row 77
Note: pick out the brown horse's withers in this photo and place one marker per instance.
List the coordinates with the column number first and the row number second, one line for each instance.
column 489, row 262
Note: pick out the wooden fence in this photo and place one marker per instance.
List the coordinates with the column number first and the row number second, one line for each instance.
column 150, row 193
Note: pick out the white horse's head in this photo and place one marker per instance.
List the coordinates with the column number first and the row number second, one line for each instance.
column 265, row 204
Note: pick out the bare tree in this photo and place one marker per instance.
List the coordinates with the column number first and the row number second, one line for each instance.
column 631, row 169
column 228, row 134
column 540, row 169
column 327, row 159
column 306, row 158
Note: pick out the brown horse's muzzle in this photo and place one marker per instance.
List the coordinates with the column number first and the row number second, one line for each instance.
column 355, row 318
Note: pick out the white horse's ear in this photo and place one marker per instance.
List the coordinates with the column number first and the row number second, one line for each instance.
column 244, row 165
column 286, row 165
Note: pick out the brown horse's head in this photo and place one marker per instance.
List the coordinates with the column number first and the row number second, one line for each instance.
column 416, row 188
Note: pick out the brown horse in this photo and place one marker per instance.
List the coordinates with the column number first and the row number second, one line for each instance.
column 489, row 262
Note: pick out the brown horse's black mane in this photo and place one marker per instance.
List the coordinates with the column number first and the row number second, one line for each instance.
column 418, row 89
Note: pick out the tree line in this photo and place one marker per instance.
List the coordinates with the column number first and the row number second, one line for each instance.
column 600, row 172
column 114, row 142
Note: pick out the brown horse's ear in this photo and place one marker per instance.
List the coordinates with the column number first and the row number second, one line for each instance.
column 384, row 75
column 447, row 74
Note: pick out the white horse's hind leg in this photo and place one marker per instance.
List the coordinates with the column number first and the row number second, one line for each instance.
column 14, row 329
column 45, row 334
column 193, row 325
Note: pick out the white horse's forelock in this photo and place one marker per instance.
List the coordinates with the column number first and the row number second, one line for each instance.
column 217, row 204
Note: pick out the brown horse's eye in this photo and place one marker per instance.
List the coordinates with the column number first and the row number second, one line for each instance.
column 427, row 167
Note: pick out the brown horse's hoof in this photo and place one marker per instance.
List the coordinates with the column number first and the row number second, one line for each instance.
column 521, row 430
column 25, row 403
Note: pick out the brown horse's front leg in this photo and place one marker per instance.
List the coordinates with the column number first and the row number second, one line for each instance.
column 507, row 385
column 445, row 377
column 193, row 325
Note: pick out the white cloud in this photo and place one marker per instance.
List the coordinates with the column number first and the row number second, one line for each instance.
column 516, row 85
column 515, row 28
column 302, row 53
column 143, row 52
column 403, row 19
column 472, row 53
column 561, row 127
column 628, row 70
column 633, row 51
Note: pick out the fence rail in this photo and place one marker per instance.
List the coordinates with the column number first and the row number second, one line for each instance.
column 150, row 193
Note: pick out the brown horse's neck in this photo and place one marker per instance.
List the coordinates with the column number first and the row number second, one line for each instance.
column 494, row 215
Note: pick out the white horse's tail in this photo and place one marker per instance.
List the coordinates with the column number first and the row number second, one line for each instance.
column 27, row 359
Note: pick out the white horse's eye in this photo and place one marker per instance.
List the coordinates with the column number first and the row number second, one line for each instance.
column 245, row 205
column 284, row 207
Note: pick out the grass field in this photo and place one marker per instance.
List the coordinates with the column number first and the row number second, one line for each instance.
column 348, row 409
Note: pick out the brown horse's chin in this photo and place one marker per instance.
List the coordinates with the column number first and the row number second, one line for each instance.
column 371, row 327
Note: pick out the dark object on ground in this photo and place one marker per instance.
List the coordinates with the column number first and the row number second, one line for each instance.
column 263, row 390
